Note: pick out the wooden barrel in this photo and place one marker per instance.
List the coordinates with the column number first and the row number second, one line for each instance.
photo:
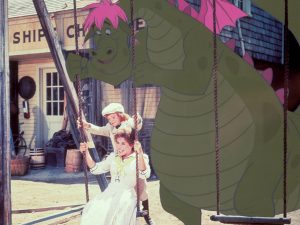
column 73, row 161
column 19, row 165
column 37, row 158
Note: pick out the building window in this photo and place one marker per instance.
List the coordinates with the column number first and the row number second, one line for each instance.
column 54, row 95
column 245, row 5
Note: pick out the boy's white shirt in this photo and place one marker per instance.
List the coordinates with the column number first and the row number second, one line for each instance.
column 109, row 131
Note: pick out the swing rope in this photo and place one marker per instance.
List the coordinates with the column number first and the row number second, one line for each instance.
column 285, row 108
column 80, row 102
column 216, row 112
column 245, row 219
column 140, row 213
column 133, row 91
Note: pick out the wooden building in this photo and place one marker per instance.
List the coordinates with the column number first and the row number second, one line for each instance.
column 30, row 56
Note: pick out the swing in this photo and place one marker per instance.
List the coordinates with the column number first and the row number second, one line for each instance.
column 140, row 213
column 225, row 219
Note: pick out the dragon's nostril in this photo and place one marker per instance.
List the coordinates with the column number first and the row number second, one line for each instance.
column 109, row 51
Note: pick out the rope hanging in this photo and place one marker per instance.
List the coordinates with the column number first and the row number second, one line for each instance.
column 140, row 213
column 244, row 219
column 285, row 108
column 216, row 115
column 78, row 86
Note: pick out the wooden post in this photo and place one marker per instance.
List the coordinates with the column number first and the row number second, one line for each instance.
column 5, row 190
column 59, row 60
column 65, row 115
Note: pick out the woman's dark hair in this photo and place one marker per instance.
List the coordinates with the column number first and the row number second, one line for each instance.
column 127, row 134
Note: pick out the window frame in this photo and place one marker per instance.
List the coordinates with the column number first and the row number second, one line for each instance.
column 246, row 5
column 51, row 86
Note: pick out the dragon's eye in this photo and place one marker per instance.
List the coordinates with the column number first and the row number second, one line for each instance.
column 108, row 32
column 98, row 32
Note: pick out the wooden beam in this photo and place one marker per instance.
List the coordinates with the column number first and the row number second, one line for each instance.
column 19, row 211
column 249, row 220
column 59, row 60
column 5, row 190
column 49, row 218
column 65, row 220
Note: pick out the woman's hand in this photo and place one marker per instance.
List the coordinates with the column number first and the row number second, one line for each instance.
column 138, row 147
column 85, row 124
column 139, row 118
column 83, row 147
column 141, row 161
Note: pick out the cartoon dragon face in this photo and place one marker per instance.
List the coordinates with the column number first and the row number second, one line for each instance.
column 109, row 55
column 161, row 49
column 109, row 52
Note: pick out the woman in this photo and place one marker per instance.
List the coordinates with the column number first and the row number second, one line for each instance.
column 117, row 204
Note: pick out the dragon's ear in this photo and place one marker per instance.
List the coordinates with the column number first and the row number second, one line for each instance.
column 89, row 34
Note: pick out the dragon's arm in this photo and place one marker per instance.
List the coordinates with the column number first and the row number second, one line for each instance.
column 77, row 65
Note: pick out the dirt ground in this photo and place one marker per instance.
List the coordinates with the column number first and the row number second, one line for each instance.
column 29, row 194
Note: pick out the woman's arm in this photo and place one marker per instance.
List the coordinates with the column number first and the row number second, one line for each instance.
column 88, row 158
column 96, row 168
column 143, row 161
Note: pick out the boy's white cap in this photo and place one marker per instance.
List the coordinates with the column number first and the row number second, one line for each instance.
column 112, row 108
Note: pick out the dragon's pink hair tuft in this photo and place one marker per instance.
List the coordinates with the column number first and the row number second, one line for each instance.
column 101, row 11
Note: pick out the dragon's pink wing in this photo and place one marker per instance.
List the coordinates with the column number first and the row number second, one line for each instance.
column 280, row 95
column 185, row 7
column 231, row 44
column 268, row 75
column 227, row 14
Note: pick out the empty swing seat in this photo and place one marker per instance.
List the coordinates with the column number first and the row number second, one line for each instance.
column 249, row 220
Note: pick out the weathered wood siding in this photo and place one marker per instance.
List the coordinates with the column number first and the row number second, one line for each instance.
column 28, row 47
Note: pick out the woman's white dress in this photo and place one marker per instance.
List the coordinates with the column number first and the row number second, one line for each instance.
column 117, row 204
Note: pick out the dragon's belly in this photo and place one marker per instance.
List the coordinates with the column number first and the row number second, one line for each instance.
column 183, row 145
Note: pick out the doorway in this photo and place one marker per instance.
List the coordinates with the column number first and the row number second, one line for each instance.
column 14, row 110
column 52, row 103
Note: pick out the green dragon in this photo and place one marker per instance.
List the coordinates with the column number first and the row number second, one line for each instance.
column 175, row 52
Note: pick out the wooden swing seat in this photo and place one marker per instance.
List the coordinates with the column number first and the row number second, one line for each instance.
column 249, row 220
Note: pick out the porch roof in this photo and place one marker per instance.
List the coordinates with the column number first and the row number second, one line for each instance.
column 19, row 8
